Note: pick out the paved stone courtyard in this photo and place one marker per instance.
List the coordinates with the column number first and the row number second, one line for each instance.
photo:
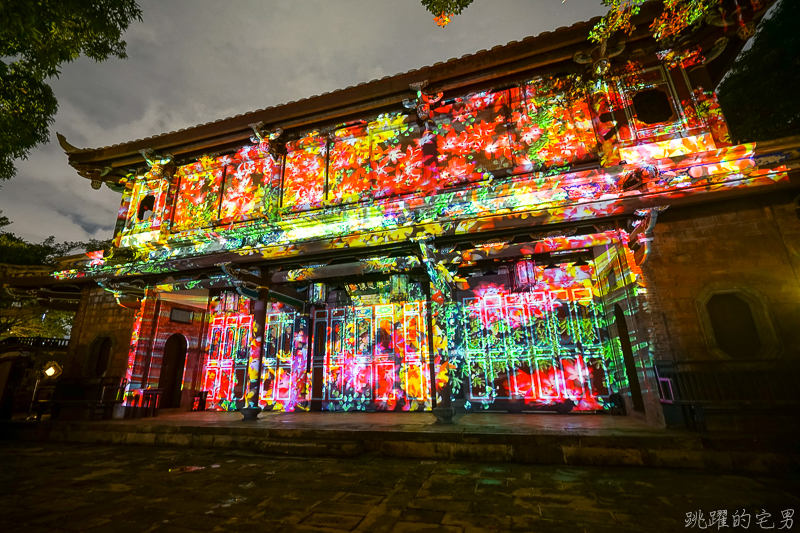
column 75, row 487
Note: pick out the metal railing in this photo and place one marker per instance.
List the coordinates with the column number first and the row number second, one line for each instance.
column 720, row 383
column 36, row 342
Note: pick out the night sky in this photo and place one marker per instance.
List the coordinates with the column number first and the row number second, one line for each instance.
column 192, row 62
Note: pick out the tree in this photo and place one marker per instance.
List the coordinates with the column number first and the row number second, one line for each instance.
column 36, row 37
column 758, row 94
column 676, row 16
column 24, row 317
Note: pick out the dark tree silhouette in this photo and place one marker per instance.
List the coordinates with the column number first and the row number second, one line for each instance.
column 759, row 95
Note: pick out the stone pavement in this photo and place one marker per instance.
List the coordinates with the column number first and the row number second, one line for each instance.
column 88, row 487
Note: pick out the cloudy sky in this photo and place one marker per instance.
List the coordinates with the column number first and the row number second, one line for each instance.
column 194, row 61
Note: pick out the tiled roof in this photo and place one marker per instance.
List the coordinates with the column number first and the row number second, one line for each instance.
column 436, row 66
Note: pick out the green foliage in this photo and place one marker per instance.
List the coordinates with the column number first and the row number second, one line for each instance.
column 16, row 251
column 759, row 95
column 677, row 15
column 31, row 320
column 35, row 39
column 27, row 110
column 23, row 317
column 448, row 7
column 617, row 19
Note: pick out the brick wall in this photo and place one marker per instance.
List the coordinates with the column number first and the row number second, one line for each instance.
column 753, row 242
column 99, row 315
column 193, row 333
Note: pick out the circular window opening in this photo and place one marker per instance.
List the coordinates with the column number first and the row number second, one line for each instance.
column 146, row 207
column 734, row 326
column 652, row 106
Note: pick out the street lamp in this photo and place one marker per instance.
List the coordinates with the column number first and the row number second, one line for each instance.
column 51, row 371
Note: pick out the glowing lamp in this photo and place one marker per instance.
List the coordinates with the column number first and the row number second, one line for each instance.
column 524, row 275
column 52, row 370
column 317, row 293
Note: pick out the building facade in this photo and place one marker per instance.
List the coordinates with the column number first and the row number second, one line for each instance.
column 528, row 228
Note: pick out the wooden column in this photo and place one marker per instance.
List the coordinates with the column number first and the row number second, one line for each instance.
column 257, row 348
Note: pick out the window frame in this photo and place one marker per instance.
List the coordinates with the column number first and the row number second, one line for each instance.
column 771, row 345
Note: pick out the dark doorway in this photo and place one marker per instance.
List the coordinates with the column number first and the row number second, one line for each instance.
column 99, row 357
column 172, row 371
column 627, row 357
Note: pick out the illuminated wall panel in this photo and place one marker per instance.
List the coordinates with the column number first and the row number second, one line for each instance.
column 145, row 209
column 250, row 189
column 550, row 128
column 349, row 166
column 542, row 346
column 199, row 192
column 305, row 173
column 396, row 156
column 227, row 350
column 471, row 137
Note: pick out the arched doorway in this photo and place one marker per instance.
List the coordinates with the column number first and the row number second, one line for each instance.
column 99, row 357
column 627, row 357
column 172, row 365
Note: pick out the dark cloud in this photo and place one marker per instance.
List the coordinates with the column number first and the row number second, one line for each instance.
column 194, row 61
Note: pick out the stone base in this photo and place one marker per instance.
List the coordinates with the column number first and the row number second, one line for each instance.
column 444, row 415
column 250, row 413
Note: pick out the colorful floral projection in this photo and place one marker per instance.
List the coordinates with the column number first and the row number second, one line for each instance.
column 541, row 152
column 535, row 130
column 227, row 349
column 372, row 357
column 546, row 344
column 542, row 344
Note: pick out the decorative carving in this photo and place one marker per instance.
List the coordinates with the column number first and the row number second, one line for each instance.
column 128, row 295
column 637, row 177
column 155, row 160
column 422, row 103
column 599, row 57
column 641, row 238
column 276, row 145
column 717, row 49
column 553, row 234
column 746, row 31
column 441, row 278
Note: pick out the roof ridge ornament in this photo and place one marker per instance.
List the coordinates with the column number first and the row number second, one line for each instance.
column 422, row 103
column 262, row 134
column 154, row 159
column 66, row 146
column 272, row 138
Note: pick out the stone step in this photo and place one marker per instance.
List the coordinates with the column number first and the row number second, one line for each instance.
column 672, row 450
column 167, row 436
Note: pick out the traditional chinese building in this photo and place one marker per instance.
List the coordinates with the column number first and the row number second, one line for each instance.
column 491, row 233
